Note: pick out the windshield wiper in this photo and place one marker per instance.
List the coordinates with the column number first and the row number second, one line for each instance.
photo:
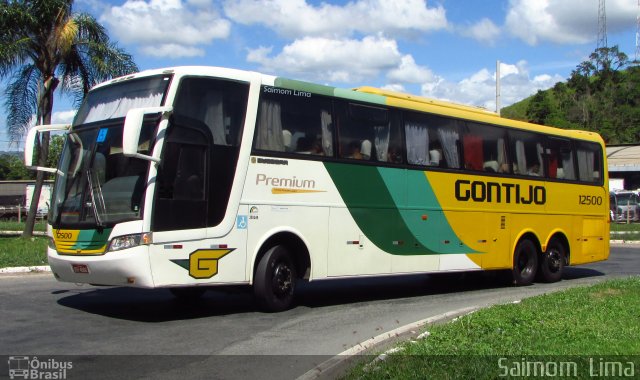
column 94, row 206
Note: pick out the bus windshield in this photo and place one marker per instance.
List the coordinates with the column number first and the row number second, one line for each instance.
column 99, row 186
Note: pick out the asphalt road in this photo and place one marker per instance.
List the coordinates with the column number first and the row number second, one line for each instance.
column 111, row 332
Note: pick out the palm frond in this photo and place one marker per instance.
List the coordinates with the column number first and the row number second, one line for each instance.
column 21, row 100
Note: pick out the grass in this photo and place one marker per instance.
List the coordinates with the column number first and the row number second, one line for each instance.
column 623, row 231
column 16, row 251
column 40, row 225
column 19, row 252
column 588, row 326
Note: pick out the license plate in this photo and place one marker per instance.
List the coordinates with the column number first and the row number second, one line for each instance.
column 80, row 268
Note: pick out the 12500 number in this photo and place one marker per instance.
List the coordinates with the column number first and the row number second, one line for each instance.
column 589, row 200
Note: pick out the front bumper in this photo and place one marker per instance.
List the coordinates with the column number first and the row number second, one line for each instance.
column 121, row 268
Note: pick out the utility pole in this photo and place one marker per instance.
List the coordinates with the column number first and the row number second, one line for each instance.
column 637, row 58
column 498, row 106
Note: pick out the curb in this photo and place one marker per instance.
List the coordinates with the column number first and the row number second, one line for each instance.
column 34, row 269
column 624, row 241
column 19, row 233
column 332, row 367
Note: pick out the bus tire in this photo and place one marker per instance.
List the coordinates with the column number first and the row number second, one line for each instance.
column 552, row 262
column 525, row 263
column 275, row 280
column 188, row 294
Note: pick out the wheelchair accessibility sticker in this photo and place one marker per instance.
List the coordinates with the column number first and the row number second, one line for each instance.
column 241, row 222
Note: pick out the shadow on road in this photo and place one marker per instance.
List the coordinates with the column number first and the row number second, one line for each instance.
column 158, row 305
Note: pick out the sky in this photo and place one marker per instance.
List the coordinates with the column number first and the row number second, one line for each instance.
column 445, row 49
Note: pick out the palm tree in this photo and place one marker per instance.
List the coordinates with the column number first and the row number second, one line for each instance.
column 44, row 44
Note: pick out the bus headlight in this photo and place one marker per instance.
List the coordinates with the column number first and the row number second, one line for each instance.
column 129, row 241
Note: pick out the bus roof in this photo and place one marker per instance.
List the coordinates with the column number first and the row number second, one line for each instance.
column 371, row 95
column 422, row 99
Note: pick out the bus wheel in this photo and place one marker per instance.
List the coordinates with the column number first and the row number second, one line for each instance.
column 275, row 280
column 188, row 294
column 552, row 262
column 525, row 262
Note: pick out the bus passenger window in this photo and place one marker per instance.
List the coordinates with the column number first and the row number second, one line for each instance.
column 589, row 162
column 369, row 133
column 527, row 154
column 484, row 148
column 299, row 125
column 560, row 159
column 432, row 140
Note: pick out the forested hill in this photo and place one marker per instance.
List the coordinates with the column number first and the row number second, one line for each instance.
column 601, row 95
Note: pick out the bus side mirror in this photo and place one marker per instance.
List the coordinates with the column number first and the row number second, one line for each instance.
column 30, row 144
column 132, row 128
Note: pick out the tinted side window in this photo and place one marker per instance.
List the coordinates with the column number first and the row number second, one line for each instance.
column 589, row 162
column 484, row 148
column 369, row 133
column 527, row 153
column 432, row 140
column 560, row 159
column 219, row 104
column 296, row 122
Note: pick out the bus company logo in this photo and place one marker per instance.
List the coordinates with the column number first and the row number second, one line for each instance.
column 24, row 367
column 495, row 192
column 203, row 263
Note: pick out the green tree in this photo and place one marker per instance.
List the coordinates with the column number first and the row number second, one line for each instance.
column 539, row 108
column 43, row 43
column 12, row 168
column 55, row 149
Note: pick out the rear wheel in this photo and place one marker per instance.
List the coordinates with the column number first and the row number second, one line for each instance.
column 552, row 262
column 525, row 262
column 275, row 280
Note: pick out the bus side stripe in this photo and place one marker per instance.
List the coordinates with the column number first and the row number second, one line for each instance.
column 376, row 194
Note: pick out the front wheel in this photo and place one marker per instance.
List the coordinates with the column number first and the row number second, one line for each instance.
column 552, row 262
column 525, row 262
column 275, row 280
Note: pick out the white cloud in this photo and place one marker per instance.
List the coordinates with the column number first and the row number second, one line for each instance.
column 480, row 88
column 410, row 72
column 297, row 18
column 63, row 117
column 565, row 21
column 173, row 50
column 484, row 31
column 167, row 27
column 331, row 60
column 394, row 87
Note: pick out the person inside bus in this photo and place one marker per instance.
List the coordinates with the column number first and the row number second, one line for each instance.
column 353, row 150
column 309, row 145
column 365, row 149
column 394, row 155
column 534, row 170
column 435, row 154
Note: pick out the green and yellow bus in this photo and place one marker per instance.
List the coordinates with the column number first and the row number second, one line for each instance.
column 191, row 177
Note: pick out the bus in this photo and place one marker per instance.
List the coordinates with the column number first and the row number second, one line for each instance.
column 188, row 178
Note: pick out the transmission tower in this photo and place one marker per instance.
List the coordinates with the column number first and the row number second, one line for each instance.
column 602, row 25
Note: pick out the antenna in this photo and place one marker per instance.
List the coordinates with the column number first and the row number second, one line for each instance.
column 602, row 25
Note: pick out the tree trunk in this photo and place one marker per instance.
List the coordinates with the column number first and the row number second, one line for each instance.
column 45, row 108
